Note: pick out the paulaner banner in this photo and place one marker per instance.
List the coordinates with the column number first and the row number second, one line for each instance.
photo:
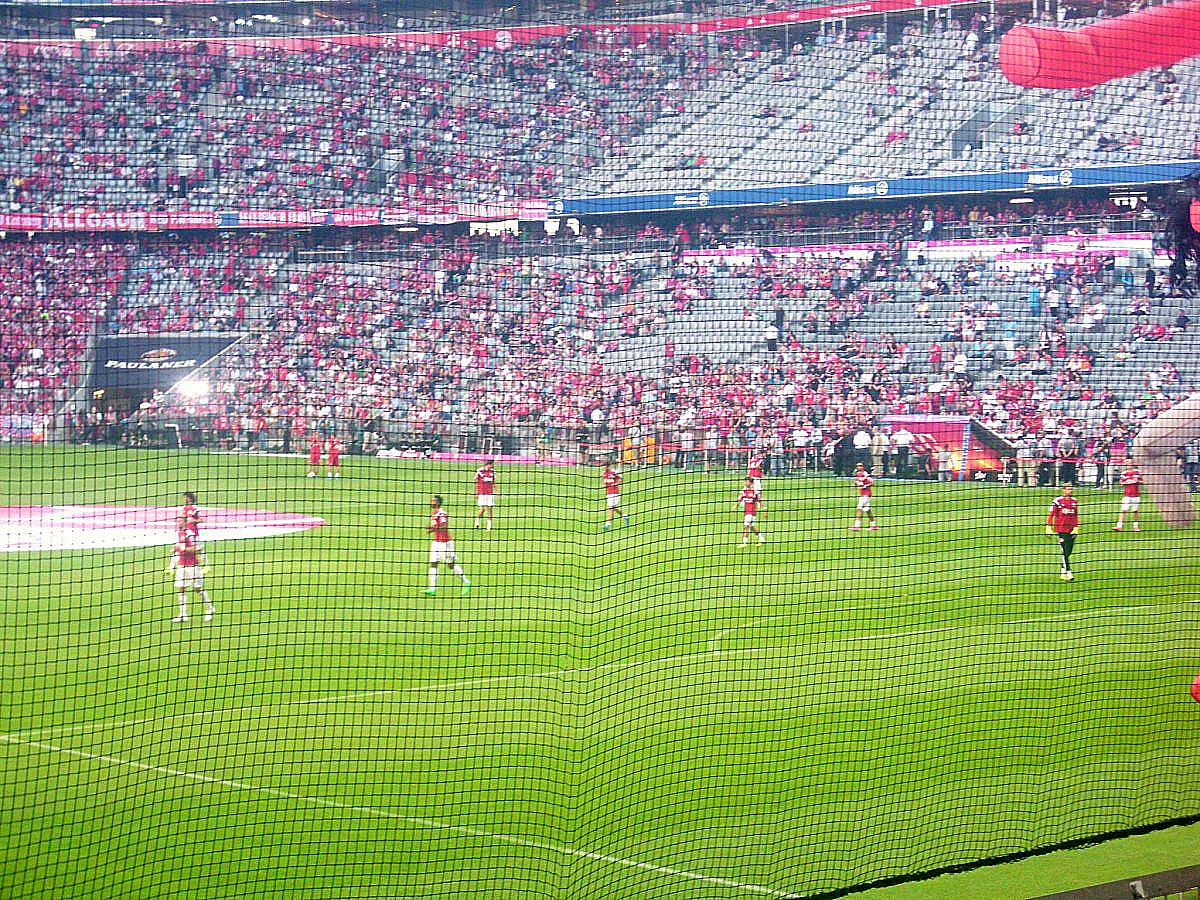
column 154, row 361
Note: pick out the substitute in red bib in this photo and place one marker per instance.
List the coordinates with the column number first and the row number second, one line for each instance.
column 441, row 550
column 485, row 493
column 1062, row 523
column 1131, row 484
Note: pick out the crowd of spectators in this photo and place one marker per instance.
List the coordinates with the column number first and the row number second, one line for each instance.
column 431, row 344
column 53, row 297
column 208, row 284
column 436, row 333
column 335, row 126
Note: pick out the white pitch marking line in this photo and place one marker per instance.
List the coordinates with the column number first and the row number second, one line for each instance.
column 714, row 646
column 415, row 820
column 88, row 727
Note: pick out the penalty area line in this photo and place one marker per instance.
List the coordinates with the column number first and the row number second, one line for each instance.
column 420, row 821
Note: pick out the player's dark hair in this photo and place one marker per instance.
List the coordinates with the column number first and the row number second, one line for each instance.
column 189, row 496
column 438, row 498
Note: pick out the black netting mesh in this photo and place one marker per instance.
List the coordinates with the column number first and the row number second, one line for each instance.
column 680, row 456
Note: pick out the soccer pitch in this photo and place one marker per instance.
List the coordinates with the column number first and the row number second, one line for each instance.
column 654, row 711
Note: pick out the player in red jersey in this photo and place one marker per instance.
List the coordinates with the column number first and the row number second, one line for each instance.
column 1062, row 523
column 441, row 551
column 335, row 458
column 1131, row 481
column 756, row 470
column 190, row 514
column 612, row 492
column 485, row 492
column 187, row 565
column 751, row 502
column 863, row 481
column 314, row 457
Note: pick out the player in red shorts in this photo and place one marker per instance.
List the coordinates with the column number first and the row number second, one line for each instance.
column 1062, row 523
column 485, row 492
column 612, row 497
column 863, row 481
column 1131, row 482
column 441, row 550
column 335, row 459
column 751, row 502
column 187, row 565
column 314, row 457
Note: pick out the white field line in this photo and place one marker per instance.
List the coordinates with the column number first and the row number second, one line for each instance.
column 714, row 651
column 419, row 821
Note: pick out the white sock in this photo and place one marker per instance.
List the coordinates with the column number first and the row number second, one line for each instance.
column 489, row 525
column 458, row 570
column 432, row 577
column 208, row 604
column 183, row 603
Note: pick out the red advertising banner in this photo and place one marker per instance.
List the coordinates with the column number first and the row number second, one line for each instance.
column 972, row 447
column 498, row 38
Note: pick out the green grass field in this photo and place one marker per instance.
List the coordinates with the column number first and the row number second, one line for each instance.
column 651, row 712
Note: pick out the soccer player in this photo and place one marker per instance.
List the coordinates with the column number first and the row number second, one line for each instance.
column 485, row 492
column 1131, row 481
column 756, row 470
column 190, row 514
column 187, row 565
column 612, row 491
column 751, row 502
column 335, row 459
column 314, row 457
column 863, row 481
column 1062, row 523
column 441, row 551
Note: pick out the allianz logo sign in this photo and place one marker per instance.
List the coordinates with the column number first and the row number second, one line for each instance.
column 1050, row 179
column 878, row 189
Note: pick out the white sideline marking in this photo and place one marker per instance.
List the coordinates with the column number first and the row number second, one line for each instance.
column 415, row 820
column 713, row 652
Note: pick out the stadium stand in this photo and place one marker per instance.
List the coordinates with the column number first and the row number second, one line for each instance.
column 54, row 297
column 664, row 341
